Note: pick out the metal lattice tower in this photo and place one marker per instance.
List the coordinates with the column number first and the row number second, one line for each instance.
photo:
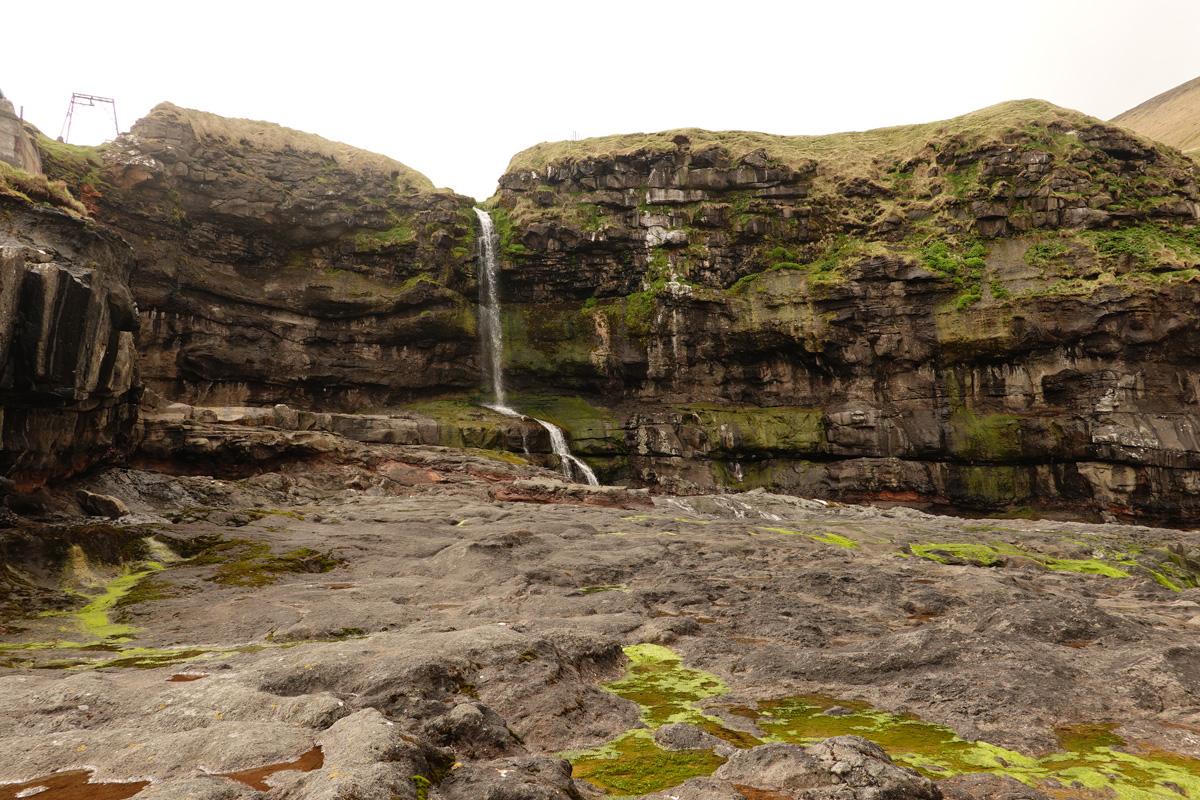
column 87, row 100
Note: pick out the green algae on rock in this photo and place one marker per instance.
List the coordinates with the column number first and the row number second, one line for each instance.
column 1095, row 757
column 666, row 692
column 242, row 562
column 1091, row 758
column 1110, row 561
column 825, row 538
column 635, row 765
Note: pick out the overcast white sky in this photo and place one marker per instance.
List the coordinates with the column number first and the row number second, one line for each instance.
column 454, row 89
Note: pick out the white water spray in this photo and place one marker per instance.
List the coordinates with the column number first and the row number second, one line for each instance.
column 493, row 351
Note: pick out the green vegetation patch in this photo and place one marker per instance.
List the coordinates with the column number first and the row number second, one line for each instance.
column 937, row 752
column 634, row 765
column 548, row 340
column 400, row 233
column 1144, row 247
column 464, row 424
column 510, row 247
column 842, row 252
column 93, row 621
column 771, row 430
column 662, row 275
column 1095, row 757
column 1046, row 254
column 987, row 438
column 665, row 689
column 947, row 258
column 504, row 456
column 579, row 418
column 825, row 538
column 241, row 562
column 667, row 692
column 828, row 267
column 38, row 189
column 994, row 555
column 838, row 153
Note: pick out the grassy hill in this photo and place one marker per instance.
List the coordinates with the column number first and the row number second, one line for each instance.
column 1172, row 117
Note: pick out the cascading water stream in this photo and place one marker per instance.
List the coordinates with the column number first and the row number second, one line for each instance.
column 493, row 350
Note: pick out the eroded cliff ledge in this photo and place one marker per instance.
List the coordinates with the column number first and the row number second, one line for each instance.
column 991, row 311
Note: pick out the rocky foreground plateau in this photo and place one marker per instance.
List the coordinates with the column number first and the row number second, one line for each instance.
column 393, row 621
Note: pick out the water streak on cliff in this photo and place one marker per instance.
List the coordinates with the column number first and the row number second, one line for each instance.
column 493, row 350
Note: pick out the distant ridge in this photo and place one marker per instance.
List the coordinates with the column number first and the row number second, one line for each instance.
column 1172, row 117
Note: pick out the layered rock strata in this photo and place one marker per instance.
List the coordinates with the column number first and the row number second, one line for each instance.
column 990, row 311
column 281, row 267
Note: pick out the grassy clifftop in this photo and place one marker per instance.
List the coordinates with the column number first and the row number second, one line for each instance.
column 836, row 152
column 275, row 137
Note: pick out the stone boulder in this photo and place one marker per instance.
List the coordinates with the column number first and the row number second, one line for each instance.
column 842, row 767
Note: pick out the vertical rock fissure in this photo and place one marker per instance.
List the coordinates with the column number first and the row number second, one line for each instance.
column 573, row 467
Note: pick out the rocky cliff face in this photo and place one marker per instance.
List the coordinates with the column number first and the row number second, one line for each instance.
column 990, row 312
column 994, row 311
column 277, row 266
column 69, row 389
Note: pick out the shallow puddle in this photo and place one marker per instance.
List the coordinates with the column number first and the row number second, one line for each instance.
column 256, row 777
column 184, row 677
column 73, row 785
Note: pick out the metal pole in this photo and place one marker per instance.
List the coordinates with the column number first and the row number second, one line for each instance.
column 67, row 122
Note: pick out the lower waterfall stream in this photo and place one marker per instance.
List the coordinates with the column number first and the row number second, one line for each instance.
column 573, row 467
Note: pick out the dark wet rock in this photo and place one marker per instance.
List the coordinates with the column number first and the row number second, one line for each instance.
column 69, row 382
column 987, row 787
column 700, row 789
column 864, row 765
column 516, row 778
column 474, row 730
column 837, row 711
column 776, row 766
column 102, row 505
column 683, row 736
column 842, row 767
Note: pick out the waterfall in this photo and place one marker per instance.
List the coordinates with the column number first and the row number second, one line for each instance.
column 493, row 351
column 558, row 443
